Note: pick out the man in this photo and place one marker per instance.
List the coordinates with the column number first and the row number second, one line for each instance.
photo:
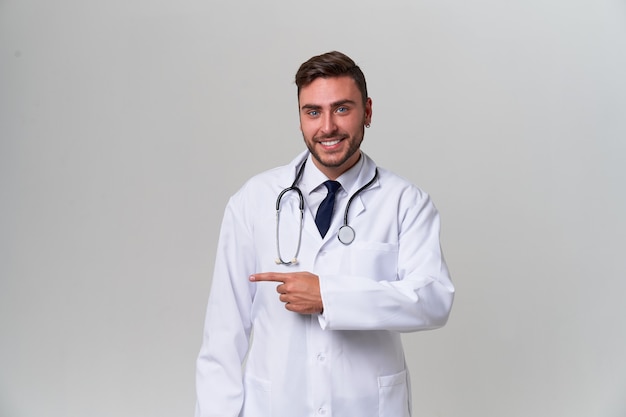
column 326, row 303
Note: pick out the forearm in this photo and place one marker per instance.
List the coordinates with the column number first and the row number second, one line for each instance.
column 353, row 303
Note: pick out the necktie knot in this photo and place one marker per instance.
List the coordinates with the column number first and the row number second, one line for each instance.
column 325, row 210
column 332, row 186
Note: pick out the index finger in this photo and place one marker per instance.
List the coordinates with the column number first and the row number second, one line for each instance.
column 269, row 276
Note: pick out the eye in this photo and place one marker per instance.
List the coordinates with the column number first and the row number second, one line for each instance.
column 341, row 109
column 313, row 113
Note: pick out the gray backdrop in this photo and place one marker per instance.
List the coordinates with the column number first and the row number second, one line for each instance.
column 126, row 125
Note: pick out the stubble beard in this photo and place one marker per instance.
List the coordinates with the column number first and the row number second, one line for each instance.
column 354, row 147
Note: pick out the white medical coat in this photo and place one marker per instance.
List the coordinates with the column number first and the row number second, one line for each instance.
column 348, row 361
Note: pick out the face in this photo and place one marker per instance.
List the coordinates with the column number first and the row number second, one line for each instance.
column 332, row 121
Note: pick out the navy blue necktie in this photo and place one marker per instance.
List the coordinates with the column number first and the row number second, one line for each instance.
column 325, row 211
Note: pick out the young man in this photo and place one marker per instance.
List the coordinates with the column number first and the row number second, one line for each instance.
column 327, row 260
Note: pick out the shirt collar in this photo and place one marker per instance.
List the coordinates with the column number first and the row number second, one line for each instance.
column 313, row 178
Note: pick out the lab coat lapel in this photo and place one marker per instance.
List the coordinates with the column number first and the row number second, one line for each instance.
column 358, row 205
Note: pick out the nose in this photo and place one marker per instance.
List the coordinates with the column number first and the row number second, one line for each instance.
column 328, row 123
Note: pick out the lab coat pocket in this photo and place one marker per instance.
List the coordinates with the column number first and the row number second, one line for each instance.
column 257, row 397
column 375, row 260
column 393, row 395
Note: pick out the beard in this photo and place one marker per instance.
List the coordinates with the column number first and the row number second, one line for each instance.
column 336, row 160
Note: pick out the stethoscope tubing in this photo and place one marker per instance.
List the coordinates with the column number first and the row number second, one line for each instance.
column 294, row 260
column 346, row 233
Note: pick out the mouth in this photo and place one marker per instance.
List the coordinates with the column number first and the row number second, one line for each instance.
column 330, row 142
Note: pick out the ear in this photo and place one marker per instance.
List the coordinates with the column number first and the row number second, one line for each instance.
column 368, row 111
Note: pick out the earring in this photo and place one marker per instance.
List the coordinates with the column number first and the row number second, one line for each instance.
column 367, row 125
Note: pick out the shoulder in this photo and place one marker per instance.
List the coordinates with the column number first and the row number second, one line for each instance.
column 399, row 186
column 412, row 205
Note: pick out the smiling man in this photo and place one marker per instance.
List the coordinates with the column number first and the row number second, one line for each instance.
column 333, row 116
column 327, row 260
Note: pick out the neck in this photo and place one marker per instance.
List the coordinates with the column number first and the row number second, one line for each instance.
column 334, row 172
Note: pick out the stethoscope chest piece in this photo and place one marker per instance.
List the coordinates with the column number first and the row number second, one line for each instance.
column 346, row 234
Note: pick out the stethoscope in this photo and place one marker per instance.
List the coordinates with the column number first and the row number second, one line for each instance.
column 345, row 234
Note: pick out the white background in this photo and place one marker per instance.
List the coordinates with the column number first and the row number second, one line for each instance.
column 126, row 124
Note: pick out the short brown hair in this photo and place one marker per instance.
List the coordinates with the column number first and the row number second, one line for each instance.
column 330, row 64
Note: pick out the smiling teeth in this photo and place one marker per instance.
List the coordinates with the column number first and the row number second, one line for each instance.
column 330, row 143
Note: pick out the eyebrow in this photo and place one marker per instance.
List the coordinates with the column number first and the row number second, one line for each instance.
column 335, row 104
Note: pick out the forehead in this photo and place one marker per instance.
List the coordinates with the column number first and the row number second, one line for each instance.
column 329, row 90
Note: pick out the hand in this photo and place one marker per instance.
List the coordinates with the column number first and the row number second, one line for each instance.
column 300, row 291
